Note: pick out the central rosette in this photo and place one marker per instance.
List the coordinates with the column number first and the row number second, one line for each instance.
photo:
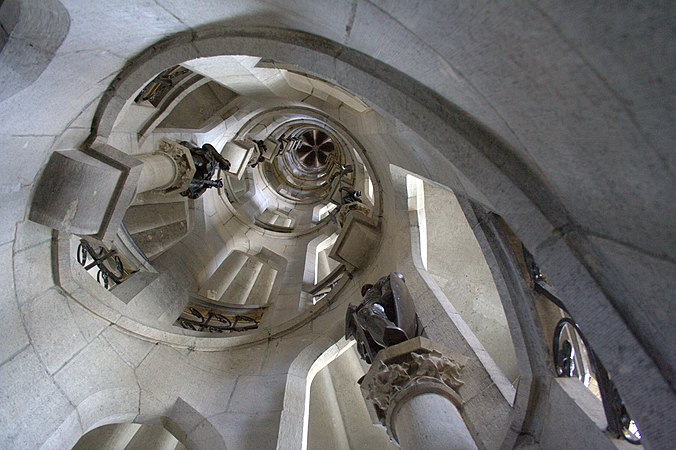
column 315, row 149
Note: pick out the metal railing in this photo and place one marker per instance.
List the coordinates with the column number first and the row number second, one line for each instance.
column 568, row 346
column 102, row 259
column 326, row 285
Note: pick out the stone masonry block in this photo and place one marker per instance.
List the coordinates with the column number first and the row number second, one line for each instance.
column 31, row 402
column 13, row 336
column 52, row 329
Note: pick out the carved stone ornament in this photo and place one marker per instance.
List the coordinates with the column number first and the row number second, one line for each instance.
column 341, row 216
column 185, row 167
column 395, row 382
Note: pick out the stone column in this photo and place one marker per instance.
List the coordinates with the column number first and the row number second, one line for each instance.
column 412, row 390
column 170, row 169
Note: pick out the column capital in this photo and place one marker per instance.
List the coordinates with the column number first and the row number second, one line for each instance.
column 183, row 162
column 406, row 370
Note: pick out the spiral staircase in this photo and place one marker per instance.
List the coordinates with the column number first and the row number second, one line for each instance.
column 242, row 293
column 291, row 167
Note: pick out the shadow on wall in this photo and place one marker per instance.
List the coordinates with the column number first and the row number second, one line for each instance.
column 30, row 34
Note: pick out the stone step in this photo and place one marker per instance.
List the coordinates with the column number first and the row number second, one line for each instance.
column 267, row 216
column 238, row 291
column 158, row 240
column 147, row 217
column 323, row 266
column 223, row 276
column 262, row 288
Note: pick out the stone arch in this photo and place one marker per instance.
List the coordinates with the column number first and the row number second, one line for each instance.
column 293, row 423
column 191, row 428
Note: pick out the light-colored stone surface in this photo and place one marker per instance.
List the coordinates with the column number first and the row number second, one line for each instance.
column 429, row 421
column 271, row 388
column 129, row 348
column 55, row 345
column 13, row 335
column 656, row 316
column 484, row 384
column 29, row 234
column 12, row 210
column 281, row 352
column 327, row 427
column 12, row 148
column 31, row 402
column 33, row 271
column 152, row 436
column 108, row 436
column 33, row 32
column 338, row 414
column 459, row 267
column 248, row 431
column 111, row 405
column 161, row 301
column 584, row 415
column 163, row 375
column 566, row 130
column 103, row 371
column 67, row 434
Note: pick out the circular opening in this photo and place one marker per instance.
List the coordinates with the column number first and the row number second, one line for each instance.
column 315, row 149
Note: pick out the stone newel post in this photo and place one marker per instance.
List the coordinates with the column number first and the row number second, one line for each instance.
column 412, row 389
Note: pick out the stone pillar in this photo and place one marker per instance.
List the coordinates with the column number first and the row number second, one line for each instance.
column 170, row 169
column 412, row 390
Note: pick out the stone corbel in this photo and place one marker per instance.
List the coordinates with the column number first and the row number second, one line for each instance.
column 238, row 153
column 345, row 209
column 86, row 192
column 357, row 241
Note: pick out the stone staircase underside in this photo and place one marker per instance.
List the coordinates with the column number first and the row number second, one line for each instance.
column 156, row 222
column 242, row 279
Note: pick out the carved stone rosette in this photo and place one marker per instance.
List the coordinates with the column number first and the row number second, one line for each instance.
column 406, row 370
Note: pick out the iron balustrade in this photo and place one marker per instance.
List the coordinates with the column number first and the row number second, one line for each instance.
column 564, row 351
column 215, row 323
column 99, row 257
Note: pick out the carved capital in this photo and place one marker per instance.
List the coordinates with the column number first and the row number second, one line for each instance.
column 185, row 167
column 392, row 380
column 406, row 370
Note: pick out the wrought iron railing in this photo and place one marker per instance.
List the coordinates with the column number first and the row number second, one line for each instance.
column 566, row 347
column 212, row 318
column 101, row 259
column 326, row 285
column 217, row 323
